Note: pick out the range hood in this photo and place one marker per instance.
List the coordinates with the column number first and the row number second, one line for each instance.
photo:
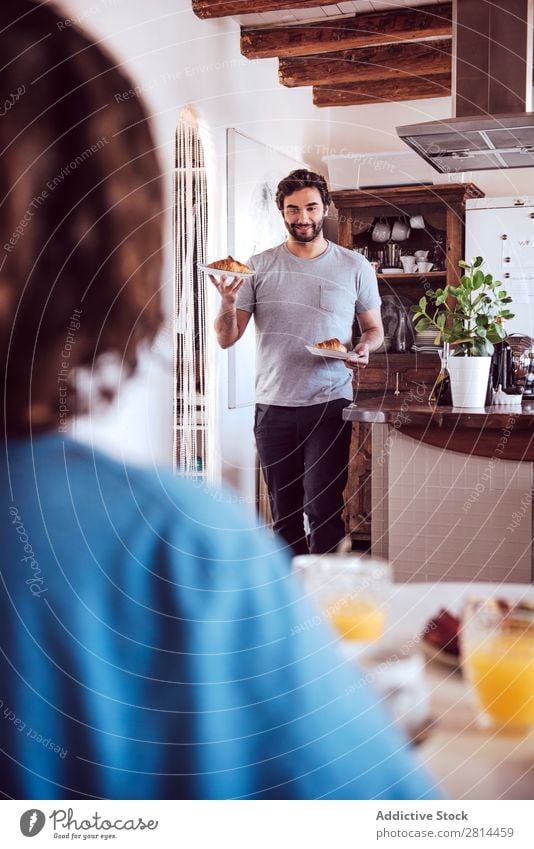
column 492, row 92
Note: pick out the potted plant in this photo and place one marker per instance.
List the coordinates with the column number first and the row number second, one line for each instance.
column 469, row 319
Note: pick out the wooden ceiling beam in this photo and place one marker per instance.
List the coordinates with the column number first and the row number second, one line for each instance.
column 383, row 91
column 229, row 8
column 346, row 33
column 371, row 63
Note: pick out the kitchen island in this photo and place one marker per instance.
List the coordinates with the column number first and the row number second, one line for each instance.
column 451, row 491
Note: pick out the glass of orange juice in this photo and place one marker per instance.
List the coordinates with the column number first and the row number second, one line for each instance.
column 352, row 592
column 498, row 656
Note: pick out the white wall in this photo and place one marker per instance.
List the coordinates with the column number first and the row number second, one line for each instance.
column 357, row 129
column 178, row 59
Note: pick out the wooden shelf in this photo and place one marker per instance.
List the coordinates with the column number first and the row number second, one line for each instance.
column 413, row 278
column 443, row 209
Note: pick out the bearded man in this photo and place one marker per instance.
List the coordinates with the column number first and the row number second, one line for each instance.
column 303, row 291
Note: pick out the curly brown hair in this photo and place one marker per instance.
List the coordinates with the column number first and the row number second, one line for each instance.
column 80, row 217
column 302, row 179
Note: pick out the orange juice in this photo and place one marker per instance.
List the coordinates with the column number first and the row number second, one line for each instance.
column 501, row 670
column 357, row 619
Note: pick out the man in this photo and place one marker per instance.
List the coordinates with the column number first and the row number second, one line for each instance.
column 303, row 291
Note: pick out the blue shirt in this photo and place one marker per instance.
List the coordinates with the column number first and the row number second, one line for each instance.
column 151, row 646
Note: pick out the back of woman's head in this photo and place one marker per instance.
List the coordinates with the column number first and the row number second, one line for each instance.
column 80, row 214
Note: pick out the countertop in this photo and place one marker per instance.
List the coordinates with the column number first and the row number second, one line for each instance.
column 506, row 430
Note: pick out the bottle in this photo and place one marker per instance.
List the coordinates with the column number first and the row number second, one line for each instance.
column 441, row 391
column 437, row 255
column 399, row 342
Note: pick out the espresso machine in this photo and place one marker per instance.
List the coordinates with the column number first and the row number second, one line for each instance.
column 520, row 364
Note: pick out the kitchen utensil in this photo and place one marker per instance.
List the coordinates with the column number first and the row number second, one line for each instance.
column 352, row 591
column 361, row 225
column 397, row 390
column 381, row 231
column 421, row 255
column 498, row 657
column 399, row 342
column 409, row 264
column 522, row 362
column 351, row 356
column 230, row 275
column 417, row 222
column 392, row 255
column 392, row 305
column 424, row 267
column 400, row 230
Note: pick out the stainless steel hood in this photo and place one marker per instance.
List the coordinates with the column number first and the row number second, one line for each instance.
column 492, row 92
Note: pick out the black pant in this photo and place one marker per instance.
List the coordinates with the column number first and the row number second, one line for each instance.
column 304, row 453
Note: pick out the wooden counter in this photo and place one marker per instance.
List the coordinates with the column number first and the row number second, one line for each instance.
column 503, row 431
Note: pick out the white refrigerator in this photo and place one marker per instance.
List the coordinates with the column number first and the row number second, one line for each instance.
column 501, row 230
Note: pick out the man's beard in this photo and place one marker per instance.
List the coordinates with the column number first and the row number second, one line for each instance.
column 308, row 234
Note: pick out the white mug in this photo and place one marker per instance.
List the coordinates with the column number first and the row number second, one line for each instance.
column 381, row 232
column 409, row 264
column 417, row 222
column 400, row 230
column 424, row 267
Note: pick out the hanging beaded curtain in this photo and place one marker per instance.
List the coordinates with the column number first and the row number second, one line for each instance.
column 190, row 240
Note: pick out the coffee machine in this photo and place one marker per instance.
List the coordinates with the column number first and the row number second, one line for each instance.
column 518, row 364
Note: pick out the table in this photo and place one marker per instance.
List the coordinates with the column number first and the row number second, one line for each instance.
column 468, row 762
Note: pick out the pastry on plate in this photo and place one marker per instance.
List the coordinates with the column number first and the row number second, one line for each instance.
column 441, row 633
column 230, row 264
column 332, row 345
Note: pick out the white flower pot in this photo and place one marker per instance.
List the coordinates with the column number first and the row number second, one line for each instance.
column 469, row 380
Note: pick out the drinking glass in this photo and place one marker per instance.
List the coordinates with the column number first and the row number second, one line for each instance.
column 498, row 657
column 351, row 591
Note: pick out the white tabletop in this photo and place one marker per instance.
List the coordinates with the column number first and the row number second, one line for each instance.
column 468, row 762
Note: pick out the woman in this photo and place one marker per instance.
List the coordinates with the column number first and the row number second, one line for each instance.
column 150, row 637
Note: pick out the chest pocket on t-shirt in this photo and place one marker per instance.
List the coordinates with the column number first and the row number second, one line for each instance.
column 333, row 298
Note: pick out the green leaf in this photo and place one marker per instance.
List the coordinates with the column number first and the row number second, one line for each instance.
column 478, row 279
column 422, row 304
column 477, row 261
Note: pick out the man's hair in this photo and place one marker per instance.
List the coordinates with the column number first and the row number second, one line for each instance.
column 302, row 179
column 80, row 216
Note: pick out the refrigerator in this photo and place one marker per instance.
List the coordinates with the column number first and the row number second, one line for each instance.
column 501, row 230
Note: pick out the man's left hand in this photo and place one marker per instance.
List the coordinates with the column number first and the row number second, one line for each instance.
column 362, row 348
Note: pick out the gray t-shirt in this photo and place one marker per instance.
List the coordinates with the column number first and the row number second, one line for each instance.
column 298, row 302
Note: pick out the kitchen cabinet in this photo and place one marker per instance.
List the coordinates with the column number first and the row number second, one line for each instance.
column 443, row 210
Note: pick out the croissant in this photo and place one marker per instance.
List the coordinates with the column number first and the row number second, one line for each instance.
column 332, row 345
column 230, row 264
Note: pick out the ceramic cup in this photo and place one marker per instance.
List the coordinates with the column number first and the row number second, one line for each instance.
column 400, row 230
column 423, row 267
column 381, row 232
column 420, row 256
column 417, row 222
column 409, row 264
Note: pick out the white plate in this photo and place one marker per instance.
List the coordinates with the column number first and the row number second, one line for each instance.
column 392, row 271
column 218, row 272
column 333, row 355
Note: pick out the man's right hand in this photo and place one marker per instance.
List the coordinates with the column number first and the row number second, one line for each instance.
column 227, row 288
column 230, row 322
